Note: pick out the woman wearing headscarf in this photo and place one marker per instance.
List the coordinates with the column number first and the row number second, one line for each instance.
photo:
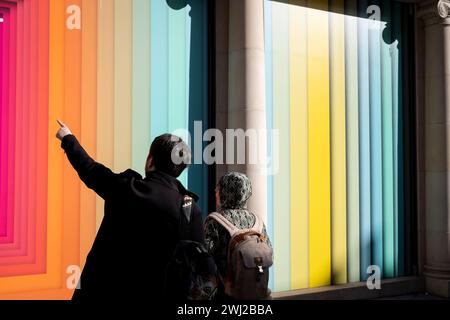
column 232, row 194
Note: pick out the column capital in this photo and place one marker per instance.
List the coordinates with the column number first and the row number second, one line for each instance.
column 443, row 8
column 433, row 13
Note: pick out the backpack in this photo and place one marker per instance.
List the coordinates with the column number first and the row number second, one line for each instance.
column 191, row 273
column 248, row 261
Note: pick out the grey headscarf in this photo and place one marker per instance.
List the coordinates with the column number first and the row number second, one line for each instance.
column 234, row 190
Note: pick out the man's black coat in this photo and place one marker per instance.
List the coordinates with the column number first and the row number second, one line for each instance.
column 139, row 232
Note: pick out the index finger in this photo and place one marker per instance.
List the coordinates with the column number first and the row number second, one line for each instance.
column 61, row 124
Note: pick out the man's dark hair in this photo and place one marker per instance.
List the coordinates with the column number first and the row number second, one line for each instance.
column 162, row 150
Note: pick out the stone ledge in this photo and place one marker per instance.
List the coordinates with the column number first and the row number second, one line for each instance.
column 356, row 291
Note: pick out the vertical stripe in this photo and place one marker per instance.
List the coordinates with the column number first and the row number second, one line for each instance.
column 41, row 134
column 299, row 147
column 184, row 178
column 398, row 144
column 32, row 134
column 52, row 43
column 3, row 127
column 197, row 43
column 72, row 116
column 159, row 77
column 319, row 147
column 8, row 125
column 12, row 123
column 55, row 156
column 198, row 27
column 338, row 145
column 187, row 75
column 105, row 90
column 177, row 72
column 7, row 129
column 18, row 191
column 122, row 84
column 352, row 109
column 26, row 120
column 4, row 130
column 388, row 156
column 395, row 103
column 280, row 29
column 8, row 85
column 141, row 138
column 376, row 159
column 176, row 69
column 269, row 114
column 364, row 139
column 8, row 53
column 88, row 119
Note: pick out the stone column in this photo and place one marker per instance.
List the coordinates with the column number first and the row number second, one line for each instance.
column 436, row 127
column 246, row 88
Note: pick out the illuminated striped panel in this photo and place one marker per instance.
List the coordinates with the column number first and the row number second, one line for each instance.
column 333, row 63
column 334, row 92
column 98, row 79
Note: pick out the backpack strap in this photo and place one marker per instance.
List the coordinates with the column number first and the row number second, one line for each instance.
column 259, row 225
column 231, row 228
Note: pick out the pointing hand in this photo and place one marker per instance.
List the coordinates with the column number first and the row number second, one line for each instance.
column 63, row 130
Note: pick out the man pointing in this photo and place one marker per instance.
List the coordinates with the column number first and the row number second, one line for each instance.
column 140, row 228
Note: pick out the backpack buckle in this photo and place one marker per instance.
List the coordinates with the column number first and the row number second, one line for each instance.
column 187, row 201
column 187, row 207
column 258, row 262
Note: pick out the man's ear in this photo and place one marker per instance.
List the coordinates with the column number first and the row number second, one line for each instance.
column 149, row 164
